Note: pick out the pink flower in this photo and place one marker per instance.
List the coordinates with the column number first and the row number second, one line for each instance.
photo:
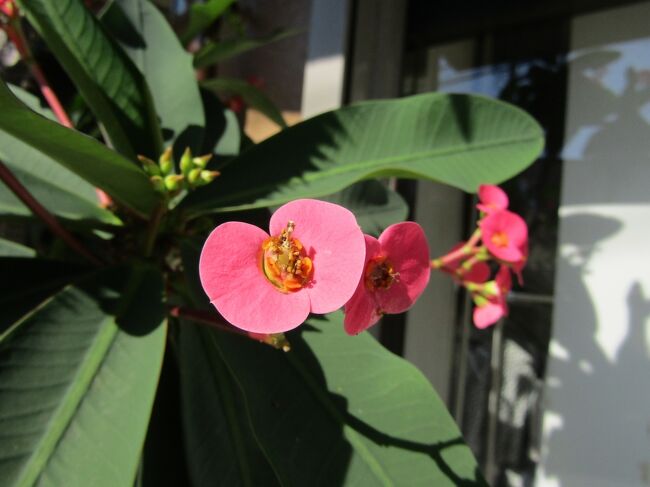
column 8, row 7
column 311, row 262
column 495, row 307
column 492, row 198
column 396, row 272
column 504, row 234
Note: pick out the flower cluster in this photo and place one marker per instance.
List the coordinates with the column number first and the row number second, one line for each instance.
column 501, row 237
column 315, row 259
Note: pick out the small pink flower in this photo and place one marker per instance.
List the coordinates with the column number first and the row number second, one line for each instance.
column 492, row 198
column 8, row 7
column 495, row 307
column 504, row 234
column 311, row 262
column 396, row 272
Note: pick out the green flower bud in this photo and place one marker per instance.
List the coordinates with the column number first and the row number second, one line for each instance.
column 186, row 162
column 208, row 176
column 491, row 289
column 174, row 182
column 166, row 162
column 202, row 161
column 150, row 167
column 194, row 175
column 158, row 183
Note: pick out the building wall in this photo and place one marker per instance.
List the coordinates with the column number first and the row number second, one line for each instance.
column 597, row 400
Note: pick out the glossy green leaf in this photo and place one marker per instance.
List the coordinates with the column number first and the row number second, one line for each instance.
column 77, row 380
column 9, row 248
column 148, row 39
column 86, row 157
column 219, row 51
column 221, row 448
column 252, row 96
column 375, row 206
column 460, row 140
column 339, row 410
column 202, row 15
column 110, row 84
column 61, row 191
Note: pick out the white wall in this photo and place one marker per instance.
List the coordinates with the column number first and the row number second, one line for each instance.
column 597, row 423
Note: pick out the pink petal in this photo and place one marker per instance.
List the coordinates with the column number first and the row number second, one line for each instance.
column 504, row 280
column 487, row 315
column 333, row 240
column 406, row 247
column 361, row 309
column 479, row 273
column 231, row 275
column 492, row 198
column 513, row 226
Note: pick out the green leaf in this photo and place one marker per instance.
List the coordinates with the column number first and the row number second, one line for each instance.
column 110, row 84
column 32, row 282
column 216, row 52
column 77, row 381
column 13, row 249
column 252, row 96
column 94, row 162
column 375, row 206
column 460, row 140
column 222, row 131
column 202, row 15
column 61, row 191
column 148, row 39
column 338, row 410
column 221, row 448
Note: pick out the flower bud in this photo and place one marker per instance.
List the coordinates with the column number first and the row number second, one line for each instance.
column 158, row 183
column 166, row 163
column 208, row 176
column 186, row 162
column 202, row 161
column 150, row 167
column 174, row 182
column 194, row 175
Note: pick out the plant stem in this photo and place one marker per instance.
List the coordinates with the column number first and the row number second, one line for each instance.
column 464, row 251
column 152, row 229
column 39, row 210
column 205, row 318
column 15, row 33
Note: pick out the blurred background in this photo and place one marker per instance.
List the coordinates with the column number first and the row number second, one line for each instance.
column 557, row 394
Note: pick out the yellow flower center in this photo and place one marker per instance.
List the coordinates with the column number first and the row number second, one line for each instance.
column 284, row 261
column 379, row 274
column 500, row 239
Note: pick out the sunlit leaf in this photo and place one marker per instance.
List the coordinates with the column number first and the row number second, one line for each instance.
column 460, row 140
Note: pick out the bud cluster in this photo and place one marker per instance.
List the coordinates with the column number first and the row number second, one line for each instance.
column 501, row 237
column 165, row 179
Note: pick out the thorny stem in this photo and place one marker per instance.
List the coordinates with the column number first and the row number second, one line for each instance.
column 39, row 210
column 205, row 318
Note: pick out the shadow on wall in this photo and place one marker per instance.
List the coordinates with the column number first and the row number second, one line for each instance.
column 597, row 427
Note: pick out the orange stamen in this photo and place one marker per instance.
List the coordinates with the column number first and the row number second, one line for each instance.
column 500, row 239
column 284, row 262
column 379, row 274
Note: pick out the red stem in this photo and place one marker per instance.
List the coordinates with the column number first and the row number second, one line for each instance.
column 39, row 210
column 15, row 33
column 205, row 318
